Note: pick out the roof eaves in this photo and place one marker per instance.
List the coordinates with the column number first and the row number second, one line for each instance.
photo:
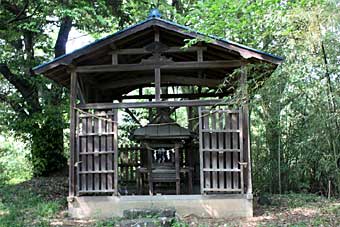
column 39, row 68
column 278, row 58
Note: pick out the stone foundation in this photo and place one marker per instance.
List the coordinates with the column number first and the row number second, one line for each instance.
column 217, row 206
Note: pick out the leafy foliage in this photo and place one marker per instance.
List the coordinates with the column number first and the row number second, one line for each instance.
column 295, row 122
column 14, row 165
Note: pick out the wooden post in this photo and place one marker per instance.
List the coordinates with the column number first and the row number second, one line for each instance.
column 200, row 125
column 157, row 84
column 200, row 55
column 157, row 72
column 149, row 151
column 191, row 169
column 241, row 149
column 114, row 54
column 73, row 97
column 156, row 38
column 77, row 151
column 116, row 152
column 177, row 166
column 114, row 58
column 246, row 131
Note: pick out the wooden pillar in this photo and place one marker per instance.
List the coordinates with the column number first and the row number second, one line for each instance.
column 116, row 151
column 246, row 131
column 114, row 54
column 149, row 151
column 189, row 156
column 200, row 55
column 114, row 58
column 157, row 84
column 73, row 97
column 157, row 71
column 177, row 167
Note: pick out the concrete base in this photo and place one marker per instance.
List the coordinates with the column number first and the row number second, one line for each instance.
column 217, row 206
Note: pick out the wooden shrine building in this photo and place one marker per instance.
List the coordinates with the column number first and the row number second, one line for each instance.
column 198, row 163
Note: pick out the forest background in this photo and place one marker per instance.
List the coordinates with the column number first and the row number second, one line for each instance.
column 295, row 118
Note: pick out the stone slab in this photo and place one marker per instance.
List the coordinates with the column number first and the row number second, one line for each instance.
column 215, row 206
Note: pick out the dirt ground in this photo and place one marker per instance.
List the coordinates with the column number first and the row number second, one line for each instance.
column 320, row 212
column 284, row 210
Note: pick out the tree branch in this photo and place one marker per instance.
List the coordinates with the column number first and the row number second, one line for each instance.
column 5, row 98
column 22, row 85
column 18, row 13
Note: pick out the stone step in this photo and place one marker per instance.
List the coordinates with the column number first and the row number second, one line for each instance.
column 147, row 222
column 149, row 213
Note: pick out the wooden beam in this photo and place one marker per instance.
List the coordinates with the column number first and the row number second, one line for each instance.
column 246, row 131
column 136, row 51
column 170, row 96
column 245, row 52
column 114, row 58
column 162, row 65
column 157, row 36
column 73, row 98
column 200, row 55
column 105, row 42
column 113, row 84
column 99, row 106
column 115, row 148
column 157, row 84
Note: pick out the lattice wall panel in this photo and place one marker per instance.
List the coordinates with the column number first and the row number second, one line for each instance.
column 221, row 150
column 97, row 152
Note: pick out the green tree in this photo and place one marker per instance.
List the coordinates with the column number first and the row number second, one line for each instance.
column 31, row 32
column 34, row 106
column 295, row 119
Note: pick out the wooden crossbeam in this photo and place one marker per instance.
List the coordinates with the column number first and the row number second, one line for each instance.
column 113, row 84
column 161, row 65
column 99, row 106
column 169, row 96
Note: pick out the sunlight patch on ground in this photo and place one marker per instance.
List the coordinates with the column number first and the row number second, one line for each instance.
column 4, row 212
column 309, row 212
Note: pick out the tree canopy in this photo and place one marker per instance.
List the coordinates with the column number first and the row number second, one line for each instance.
column 294, row 115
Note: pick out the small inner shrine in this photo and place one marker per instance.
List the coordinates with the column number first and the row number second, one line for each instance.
column 167, row 160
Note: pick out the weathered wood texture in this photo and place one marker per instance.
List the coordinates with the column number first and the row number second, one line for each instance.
column 97, row 152
column 162, row 65
column 220, row 150
column 73, row 97
column 150, row 104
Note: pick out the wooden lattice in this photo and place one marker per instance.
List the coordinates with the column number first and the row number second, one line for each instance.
column 97, row 152
column 221, row 150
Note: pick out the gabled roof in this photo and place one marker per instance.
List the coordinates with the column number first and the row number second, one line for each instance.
column 155, row 20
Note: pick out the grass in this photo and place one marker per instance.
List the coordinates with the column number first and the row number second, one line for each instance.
column 41, row 203
column 30, row 203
